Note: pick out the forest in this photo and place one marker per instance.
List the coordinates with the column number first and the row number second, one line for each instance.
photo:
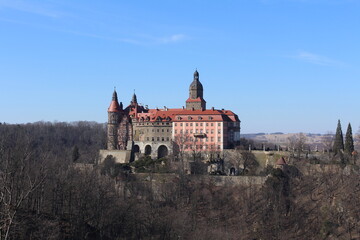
column 47, row 193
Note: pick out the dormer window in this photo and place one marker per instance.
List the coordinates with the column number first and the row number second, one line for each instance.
column 189, row 117
column 199, row 118
column 168, row 119
column 210, row 118
column 178, row 118
column 158, row 119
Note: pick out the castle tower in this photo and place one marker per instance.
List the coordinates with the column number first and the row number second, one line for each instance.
column 196, row 100
column 113, row 122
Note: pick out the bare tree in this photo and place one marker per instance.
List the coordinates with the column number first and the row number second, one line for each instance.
column 20, row 175
column 297, row 144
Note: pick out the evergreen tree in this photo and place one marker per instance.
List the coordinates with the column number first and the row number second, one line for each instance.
column 339, row 139
column 75, row 153
column 349, row 141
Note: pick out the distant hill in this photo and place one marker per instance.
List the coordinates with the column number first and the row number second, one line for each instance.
column 314, row 140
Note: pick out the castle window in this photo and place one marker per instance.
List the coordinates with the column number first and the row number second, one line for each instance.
column 147, row 139
column 207, row 131
column 152, row 139
column 218, row 146
column 181, row 124
column 167, row 130
column 175, row 131
column 201, row 124
column 196, row 131
column 207, row 124
column 219, row 131
column 191, row 131
column 212, row 131
column 212, row 139
column 157, row 130
column 219, row 124
column 162, row 139
column 187, row 131
column 201, row 130
column 190, row 124
column 167, row 139
column 175, row 124
column 219, row 139
column 187, row 124
column 158, row 138
column 212, row 124
column 197, row 124
column 162, row 130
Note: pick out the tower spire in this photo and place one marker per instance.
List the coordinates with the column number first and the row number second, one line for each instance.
column 114, row 96
column 134, row 98
column 196, row 74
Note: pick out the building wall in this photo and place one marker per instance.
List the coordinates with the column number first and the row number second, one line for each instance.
column 195, row 105
column 154, row 145
column 121, row 156
column 152, row 134
column 152, row 131
column 211, row 135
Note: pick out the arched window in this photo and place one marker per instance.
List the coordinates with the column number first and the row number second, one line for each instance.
column 162, row 151
column 147, row 150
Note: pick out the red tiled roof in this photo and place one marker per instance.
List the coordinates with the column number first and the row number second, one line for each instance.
column 114, row 107
column 184, row 114
column 199, row 99
column 281, row 161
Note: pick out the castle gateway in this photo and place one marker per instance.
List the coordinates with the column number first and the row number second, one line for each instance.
column 137, row 130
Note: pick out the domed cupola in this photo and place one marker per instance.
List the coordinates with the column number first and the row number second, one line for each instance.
column 195, row 100
column 196, row 88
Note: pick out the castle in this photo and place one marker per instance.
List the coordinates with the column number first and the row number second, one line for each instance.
column 137, row 130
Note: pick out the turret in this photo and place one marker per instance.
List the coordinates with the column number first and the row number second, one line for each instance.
column 113, row 122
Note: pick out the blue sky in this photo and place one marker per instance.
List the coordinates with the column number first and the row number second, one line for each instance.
column 281, row 65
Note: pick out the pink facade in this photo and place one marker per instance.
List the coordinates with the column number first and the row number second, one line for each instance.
column 207, row 130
